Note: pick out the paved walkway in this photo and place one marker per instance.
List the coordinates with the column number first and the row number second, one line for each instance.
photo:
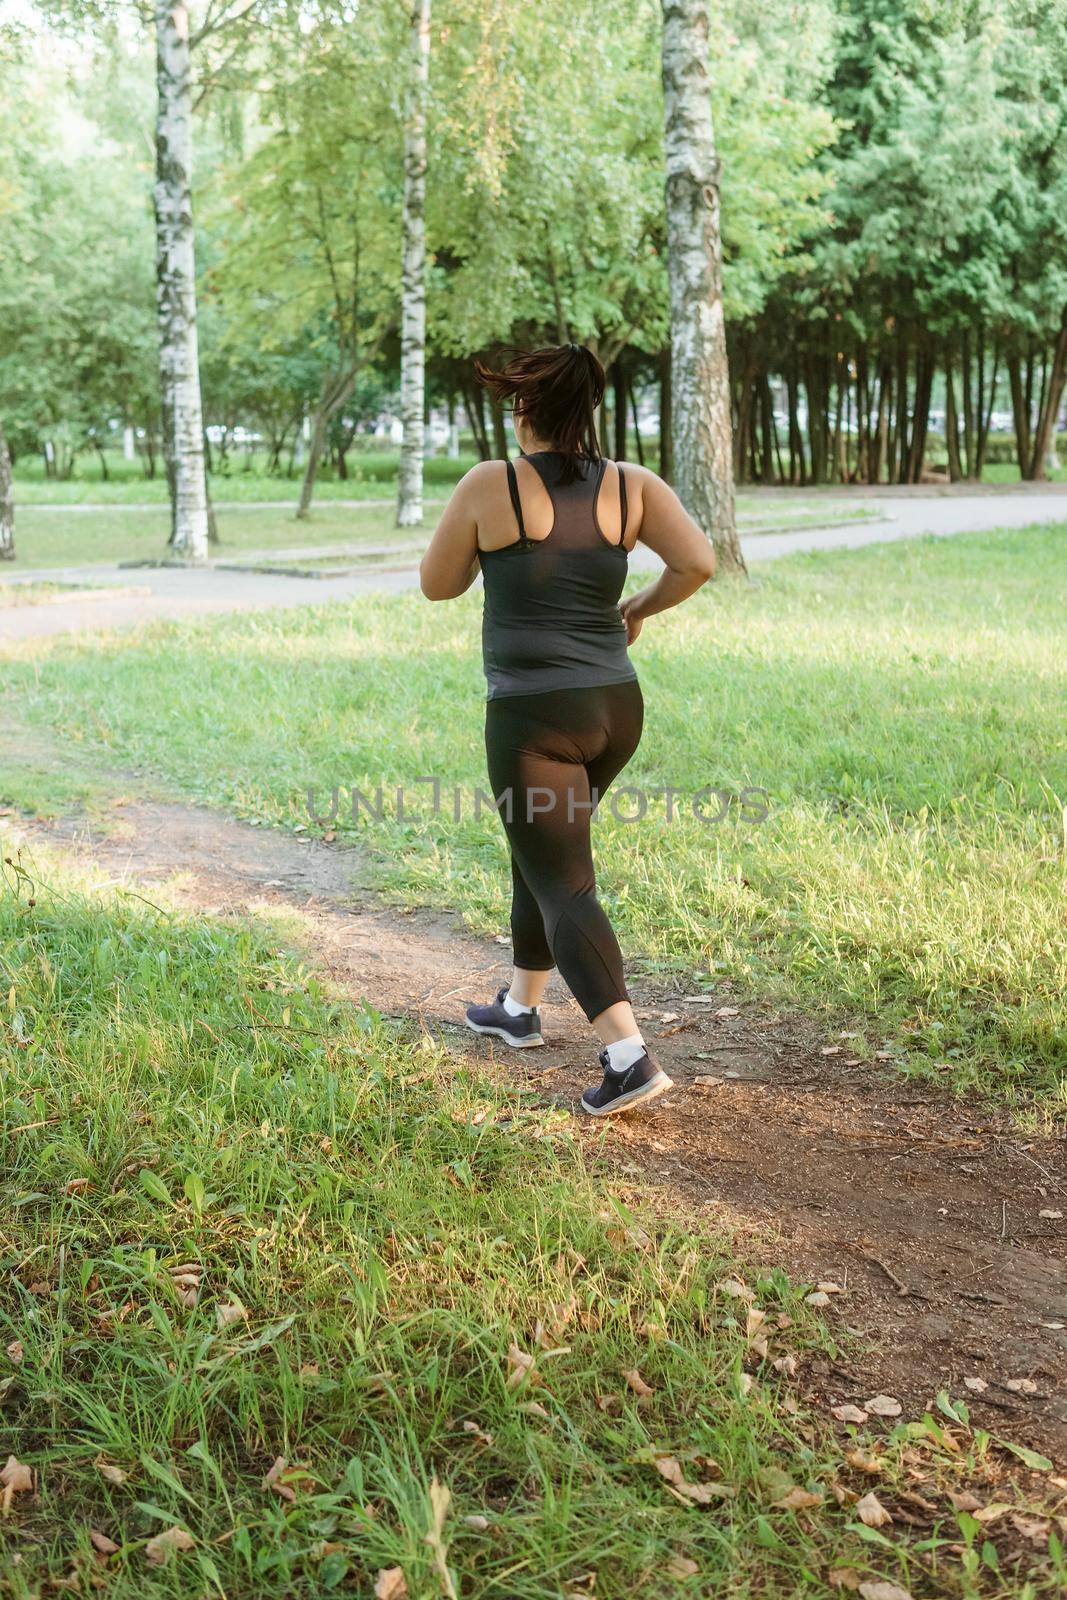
column 178, row 592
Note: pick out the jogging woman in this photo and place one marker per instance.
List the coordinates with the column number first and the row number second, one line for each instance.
column 551, row 534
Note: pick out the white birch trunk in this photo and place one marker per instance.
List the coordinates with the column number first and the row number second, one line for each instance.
column 7, row 502
column 179, row 368
column 700, row 384
column 413, row 275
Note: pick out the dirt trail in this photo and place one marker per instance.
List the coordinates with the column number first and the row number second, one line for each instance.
column 925, row 1209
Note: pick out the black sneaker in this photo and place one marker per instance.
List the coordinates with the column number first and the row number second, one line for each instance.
column 521, row 1031
column 621, row 1091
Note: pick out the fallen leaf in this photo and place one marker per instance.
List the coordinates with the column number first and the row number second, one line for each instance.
column 533, row 1408
column 976, row 1385
column 736, row 1289
column 964, row 1500
column 15, row 1352
column 798, row 1500
column 102, row 1543
column 883, row 1405
column 1051, row 1216
column 829, row 1288
column 1035, row 1529
column 440, row 1499
column 992, row 1512
column 882, row 1589
column 110, row 1473
column 786, row 1365
column 872, row 1512
column 637, row 1383
column 473, row 1428
column 479, row 1524
column 282, row 1478
column 728, row 1011
column 754, row 1321
column 863, row 1461
column 76, row 1185
column 843, row 1578
column 174, row 1541
column 229, row 1313
column 830, row 1050
column 17, row 1478
column 523, row 1368
column 390, row 1584
column 1021, row 1385
column 681, row 1567
column 819, row 1297
column 848, row 1413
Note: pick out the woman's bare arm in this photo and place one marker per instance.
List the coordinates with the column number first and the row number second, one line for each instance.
column 668, row 529
column 450, row 564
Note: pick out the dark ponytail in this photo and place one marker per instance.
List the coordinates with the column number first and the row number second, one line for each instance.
column 557, row 390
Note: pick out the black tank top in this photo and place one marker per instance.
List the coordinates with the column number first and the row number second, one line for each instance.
column 551, row 618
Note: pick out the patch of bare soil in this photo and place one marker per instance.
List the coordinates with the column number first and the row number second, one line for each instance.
column 941, row 1220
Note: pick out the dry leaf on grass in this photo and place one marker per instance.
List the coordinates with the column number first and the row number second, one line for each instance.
column 701, row 1494
column 786, row 1365
column 533, row 1408
column 110, row 1473
column 635, row 1382
column 736, row 1289
column 440, row 1499
column 101, row 1543
column 829, row 1288
column 883, row 1405
column 285, row 1480
column 17, row 1478
column 522, row 1368
column 976, row 1385
column 1021, row 1385
column 173, row 1542
column 478, row 1433
column 479, row 1524
column 75, row 1185
column 229, row 1313
column 991, row 1513
column 881, row 1589
column 863, row 1461
column 798, row 1499
column 843, row 1578
column 848, row 1413
column 681, row 1567
column 390, row 1584
column 964, row 1500
column 15, row 1352
column 818, row 1299
column 872, row 1512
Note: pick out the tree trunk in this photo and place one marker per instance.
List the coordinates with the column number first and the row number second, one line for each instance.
column 335, row 391
column 952, row 432
column 666, row 460
column 638, row 446
column 7, row 502
column 500, row 432
column 1020, row 410
column 1045, row 431
column 176, row 284
column 474, row 405
column 619, row 386
column 413, row 276
column 703, row 451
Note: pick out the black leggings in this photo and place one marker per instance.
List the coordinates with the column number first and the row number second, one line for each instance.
column 551, row 758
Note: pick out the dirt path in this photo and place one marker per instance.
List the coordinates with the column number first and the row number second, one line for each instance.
column 927, row 1211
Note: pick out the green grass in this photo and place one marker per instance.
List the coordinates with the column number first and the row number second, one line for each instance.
column 902, row 705
column 245, row 1220
column 32, row 594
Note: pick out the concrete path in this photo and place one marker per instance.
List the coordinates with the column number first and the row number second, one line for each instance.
column 178, row 592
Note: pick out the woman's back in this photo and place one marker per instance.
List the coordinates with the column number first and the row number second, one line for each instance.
column 551, row 615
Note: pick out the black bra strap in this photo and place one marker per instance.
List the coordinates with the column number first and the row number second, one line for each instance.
column 513, row 490
column 622, row 502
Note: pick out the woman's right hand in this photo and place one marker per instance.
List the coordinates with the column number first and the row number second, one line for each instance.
column 634, row 623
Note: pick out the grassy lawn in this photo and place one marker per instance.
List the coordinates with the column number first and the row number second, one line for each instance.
column 32, row 594
column 56, row 535
column 902, row 705
column 291, row 1300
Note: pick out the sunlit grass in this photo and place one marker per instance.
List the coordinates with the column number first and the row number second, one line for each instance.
column 246, row 1221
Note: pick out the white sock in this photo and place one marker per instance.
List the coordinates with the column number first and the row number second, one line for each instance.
column 624, row 1052
column 513, row 1008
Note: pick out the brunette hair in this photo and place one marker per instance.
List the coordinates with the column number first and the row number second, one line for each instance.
column 557, row 390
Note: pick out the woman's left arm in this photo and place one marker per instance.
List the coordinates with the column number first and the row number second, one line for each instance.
column 450, row 564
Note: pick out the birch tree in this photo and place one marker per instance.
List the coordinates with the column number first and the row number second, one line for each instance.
column 413, row 275
column 700, row 398
column 179, row 369
column 7, row 502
